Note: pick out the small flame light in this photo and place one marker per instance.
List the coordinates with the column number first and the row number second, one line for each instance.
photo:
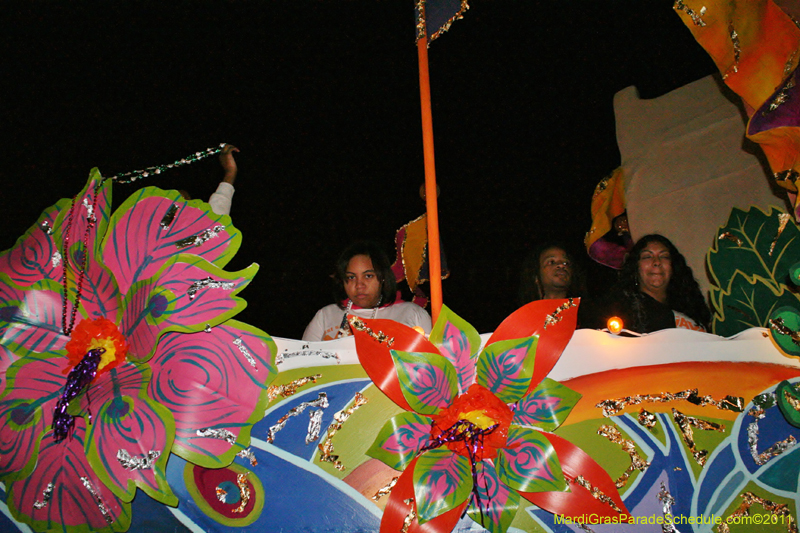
column 614, row 325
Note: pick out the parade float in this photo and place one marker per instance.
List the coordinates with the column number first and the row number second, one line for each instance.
column 131, row 399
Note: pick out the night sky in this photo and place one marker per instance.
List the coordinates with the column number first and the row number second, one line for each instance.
column 322, row 98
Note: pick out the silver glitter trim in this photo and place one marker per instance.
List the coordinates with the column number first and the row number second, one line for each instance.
column 305, row 352
column 56, row 259
column 695, row 16
column 247, row 453
column 314, row 425
column 97, row 499
column 321, row 402
column 137, row 463
column 207, row 329
column 201, row 237
column 221, row 434
column 667, row 501
column 243, row 349
column 89, row 211
column 209, row 283
column 46, row 228
column 773, row 451
column 46, row 495
column 169, row 216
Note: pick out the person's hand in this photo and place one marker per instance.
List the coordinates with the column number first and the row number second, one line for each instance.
column 228, row 163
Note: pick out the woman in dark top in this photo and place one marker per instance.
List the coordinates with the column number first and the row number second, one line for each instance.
column 657, row 290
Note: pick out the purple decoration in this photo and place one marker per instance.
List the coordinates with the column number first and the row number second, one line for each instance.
column 78, row 380
column 467, row 432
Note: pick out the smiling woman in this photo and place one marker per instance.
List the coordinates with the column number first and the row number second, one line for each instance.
column 364, row 285
column 656, row 290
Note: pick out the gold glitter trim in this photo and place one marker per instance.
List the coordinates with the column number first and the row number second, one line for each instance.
column 647, row 419
column 783, row 220
column 326, row 448
column 778, row 325
column 613, row 406
column 695, row 16
column 788, row 174
column 791, row 400
column 422, row 22
column 777, row 510
column 781, row 98
column 731, row 237
column 410, row 517
column 244, row 492
column 379, row 336
column 628, row 446
column 288, row 389
column 685, row 423
column 602, row 186
column 596, row 493
column 555, row 317
column 385, row 490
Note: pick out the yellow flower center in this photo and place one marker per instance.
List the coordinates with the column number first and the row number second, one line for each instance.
column 479, row 418
column 109, row 356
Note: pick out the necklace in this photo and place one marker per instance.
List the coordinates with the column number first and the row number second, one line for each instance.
column 344, row 327
column 91, row 219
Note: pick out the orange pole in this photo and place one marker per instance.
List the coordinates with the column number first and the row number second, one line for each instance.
column 434, row 254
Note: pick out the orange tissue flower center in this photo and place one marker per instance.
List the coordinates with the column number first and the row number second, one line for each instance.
column 91, row 334
column 482, row 410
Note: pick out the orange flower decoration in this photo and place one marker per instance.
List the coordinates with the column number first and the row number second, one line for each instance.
column 483, row 410
column 97, row 333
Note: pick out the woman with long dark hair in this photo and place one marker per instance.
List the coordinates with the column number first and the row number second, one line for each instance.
column 657, row 290
column 365, row 286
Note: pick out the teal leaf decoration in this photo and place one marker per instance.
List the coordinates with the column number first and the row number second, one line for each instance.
column 506, row 368
column 428, row 380
column 459, row 343
column 750, row 264
column 529, row 462
column 400, row 439
column 547, row 406
column 442, row 481
column 498, row 502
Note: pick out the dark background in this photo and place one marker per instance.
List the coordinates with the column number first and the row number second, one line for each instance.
column 322, row 98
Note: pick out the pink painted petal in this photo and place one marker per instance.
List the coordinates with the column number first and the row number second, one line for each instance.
column 129, row 444
column 374, row 354
column 400, row 439
column 554, row 334
column 38, row 379
column 30, row 318
column 547, row 406
column 506, row 367
column 213, row 381
column 180, row 298
column 82, row 222
column 428, row 380
column 498, row 503
column 459, row 342
column 21, row 428
column 99, row 294
column 7, row 358
column 77, row 501
column 401, row 503
column 442, row 482
column 579, row 501
column 529, row 462
column 31, row 259
column 137, row 246
column 128, row 379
